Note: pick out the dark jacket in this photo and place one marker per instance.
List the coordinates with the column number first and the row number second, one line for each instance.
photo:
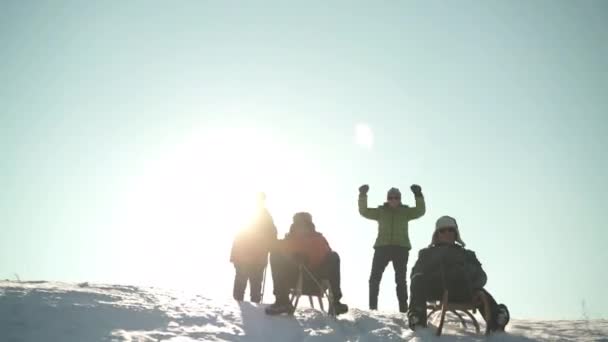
column 252, row 245
column 454, row 261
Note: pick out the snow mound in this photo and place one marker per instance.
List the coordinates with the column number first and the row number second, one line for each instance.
column 44, row 311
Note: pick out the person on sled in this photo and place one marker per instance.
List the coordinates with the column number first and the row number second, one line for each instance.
column 303, row 245
column 393, row 242
column 446, row 264
column 250, row 253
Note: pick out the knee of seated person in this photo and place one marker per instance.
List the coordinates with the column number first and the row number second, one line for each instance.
column 479, row 295
column 333, row 257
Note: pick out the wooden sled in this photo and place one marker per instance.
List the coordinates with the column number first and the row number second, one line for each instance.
column 460, row 309
column 309, row 285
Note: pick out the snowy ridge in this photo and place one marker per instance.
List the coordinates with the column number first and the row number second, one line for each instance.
column 44, row 311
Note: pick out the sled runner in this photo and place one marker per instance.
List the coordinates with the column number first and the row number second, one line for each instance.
column 469, row 309
column 309, row 285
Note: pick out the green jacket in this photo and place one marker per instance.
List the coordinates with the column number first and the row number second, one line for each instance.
column 392, row 222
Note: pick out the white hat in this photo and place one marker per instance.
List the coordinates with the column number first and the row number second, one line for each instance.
column 446, row 222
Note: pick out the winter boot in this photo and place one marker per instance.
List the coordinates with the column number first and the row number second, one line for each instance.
column 416, row 319
column 340, row 308
column 502, row 317
column 281, row 306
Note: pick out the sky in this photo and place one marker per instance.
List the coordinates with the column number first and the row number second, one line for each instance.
column 135, row 134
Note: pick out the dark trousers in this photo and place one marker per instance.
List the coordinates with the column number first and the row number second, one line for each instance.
column 425, row 289
column 382, row 256
column 285, row 273
column 253, row 274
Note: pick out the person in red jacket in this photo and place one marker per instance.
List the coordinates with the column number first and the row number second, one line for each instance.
column 303, row 245
column 250, row 253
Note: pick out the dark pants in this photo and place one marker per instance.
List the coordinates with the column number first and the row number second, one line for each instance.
column 425, row 289
column 252, row 273
column 285, row 275
column 382, row 256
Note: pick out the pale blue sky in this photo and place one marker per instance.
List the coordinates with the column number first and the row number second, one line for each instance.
column 133, row 133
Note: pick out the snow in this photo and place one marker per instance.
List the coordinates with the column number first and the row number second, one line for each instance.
column 46, row 311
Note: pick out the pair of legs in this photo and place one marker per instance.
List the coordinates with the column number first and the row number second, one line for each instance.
column 382, row 257
column 430, row 288
column 285, row 275
column 253, row 274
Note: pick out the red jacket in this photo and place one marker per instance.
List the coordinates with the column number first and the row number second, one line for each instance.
column 312, row 245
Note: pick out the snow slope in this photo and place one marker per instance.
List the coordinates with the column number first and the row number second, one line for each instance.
column 43, row 311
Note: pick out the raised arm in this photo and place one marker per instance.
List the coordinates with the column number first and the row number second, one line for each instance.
column 420, row 208
column 368, row 213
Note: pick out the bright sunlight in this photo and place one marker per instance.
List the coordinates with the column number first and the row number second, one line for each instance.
column 364, row 136
column 188, row 204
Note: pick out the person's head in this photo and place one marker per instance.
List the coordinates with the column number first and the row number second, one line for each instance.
column 446, row 231
column 393, row 198
column 302, row 223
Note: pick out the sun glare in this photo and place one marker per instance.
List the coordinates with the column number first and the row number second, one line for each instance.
column 364, row 136
column 190, row 201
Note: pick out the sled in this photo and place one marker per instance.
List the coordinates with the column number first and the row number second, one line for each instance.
column 459, row 309
column 308, row 285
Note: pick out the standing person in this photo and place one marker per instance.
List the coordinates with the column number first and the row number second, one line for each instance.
column 250, row 253
column 447, row 265
column 393, row 242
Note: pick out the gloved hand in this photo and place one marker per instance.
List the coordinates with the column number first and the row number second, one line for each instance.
column 363, row 189
column 417, row 190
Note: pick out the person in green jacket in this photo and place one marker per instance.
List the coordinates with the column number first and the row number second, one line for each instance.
column 393, row 242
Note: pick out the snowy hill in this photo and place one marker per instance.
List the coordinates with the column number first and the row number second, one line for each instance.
column 42, row 311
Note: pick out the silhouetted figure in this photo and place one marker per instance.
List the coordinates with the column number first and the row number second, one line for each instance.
column 303, row 245
column 250, row 253
column 446, row 264
column 393, row 242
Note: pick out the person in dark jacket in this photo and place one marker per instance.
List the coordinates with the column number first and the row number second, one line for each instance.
column 393, row 242
column 446, row 264
column 250, row 253
column 303, row 245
